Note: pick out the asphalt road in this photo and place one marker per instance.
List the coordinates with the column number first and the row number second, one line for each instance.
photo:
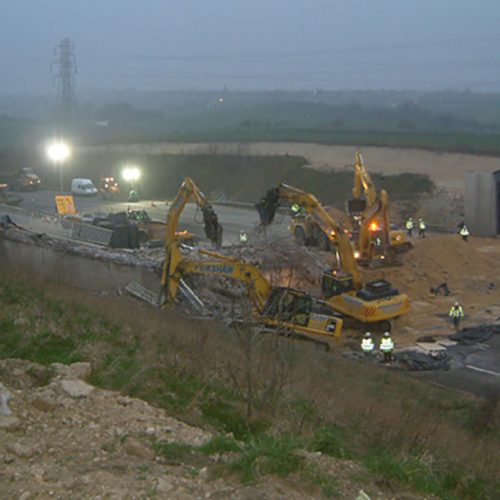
column 481, row 374
column 232, row 219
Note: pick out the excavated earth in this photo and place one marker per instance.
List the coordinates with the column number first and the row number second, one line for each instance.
column 67, row 439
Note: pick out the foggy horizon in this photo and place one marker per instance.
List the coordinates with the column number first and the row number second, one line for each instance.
column 262, row 46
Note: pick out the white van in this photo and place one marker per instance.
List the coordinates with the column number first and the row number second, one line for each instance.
column 83, row 187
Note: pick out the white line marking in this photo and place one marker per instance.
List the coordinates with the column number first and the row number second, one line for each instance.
column 482, row 370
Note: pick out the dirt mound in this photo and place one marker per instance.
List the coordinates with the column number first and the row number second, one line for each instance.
column 69, row 439
column 471, row 270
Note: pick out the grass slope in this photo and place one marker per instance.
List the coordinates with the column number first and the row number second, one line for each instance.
column 268, row 399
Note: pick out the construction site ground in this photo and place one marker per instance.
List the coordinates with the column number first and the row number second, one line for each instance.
column 125, row 458
column 469, row 268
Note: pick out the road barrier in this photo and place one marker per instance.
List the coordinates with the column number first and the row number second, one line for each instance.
column 91, row 234
column 57, row 226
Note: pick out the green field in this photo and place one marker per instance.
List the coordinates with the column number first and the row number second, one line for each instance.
column 447, row 121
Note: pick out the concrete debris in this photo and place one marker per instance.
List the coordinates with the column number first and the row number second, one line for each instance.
column 475, row 334
column 78, row 370
column 116, row 256
column 431, row 347
column 5, row 397
column 76, row 388
column 362, row 496
column 143, row 293
column 412, row 359
column 101, row 446
column 445, row 354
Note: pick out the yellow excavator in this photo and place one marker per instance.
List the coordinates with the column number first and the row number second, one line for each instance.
column 370, row 219
column 375, row 303
column 188, row 190
column 281, row 308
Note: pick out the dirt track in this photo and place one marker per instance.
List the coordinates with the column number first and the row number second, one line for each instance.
column 445, row 169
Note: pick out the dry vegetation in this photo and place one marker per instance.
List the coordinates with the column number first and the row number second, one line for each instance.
column 272, row 396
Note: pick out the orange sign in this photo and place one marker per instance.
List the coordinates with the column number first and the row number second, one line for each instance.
column 65, row 205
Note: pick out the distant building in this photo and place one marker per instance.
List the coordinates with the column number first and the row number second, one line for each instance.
column 482, row 203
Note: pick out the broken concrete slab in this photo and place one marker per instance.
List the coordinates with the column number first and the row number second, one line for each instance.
column 76, row 389
column 431, row 347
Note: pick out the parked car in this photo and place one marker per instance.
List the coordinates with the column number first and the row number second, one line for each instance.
column 83, row 187
column 21, row 179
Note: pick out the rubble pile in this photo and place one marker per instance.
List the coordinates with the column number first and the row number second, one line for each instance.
column 283, row 263
column 442, row 209
column 64, row 438
column 120, row 257
column 68, row 439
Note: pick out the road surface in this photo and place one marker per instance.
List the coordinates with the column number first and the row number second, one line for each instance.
column 232, row 219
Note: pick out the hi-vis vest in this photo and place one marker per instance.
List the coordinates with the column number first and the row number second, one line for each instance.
column 464, row 231
column 367, row 345
column 421, row 225
column 386, row 345
column 409, row 224
column 243, row 237
column 456, row 312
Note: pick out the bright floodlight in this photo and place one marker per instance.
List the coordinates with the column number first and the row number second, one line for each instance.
column 58, row 151
column 131, row 174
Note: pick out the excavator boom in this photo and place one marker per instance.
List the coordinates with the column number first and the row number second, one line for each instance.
column 229, row 267
column 373, row 219
column 334, row 231
column 213, row 230
column 363, row 181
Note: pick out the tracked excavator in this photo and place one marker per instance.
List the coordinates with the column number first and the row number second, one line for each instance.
column 377, row 302
column 285, row 309
column 370, row 220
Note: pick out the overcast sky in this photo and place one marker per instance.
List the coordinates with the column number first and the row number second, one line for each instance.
column 254, row 44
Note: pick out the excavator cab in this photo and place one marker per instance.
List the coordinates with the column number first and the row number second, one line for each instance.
column 356, row 207
column 304, row 314
column 335, row 282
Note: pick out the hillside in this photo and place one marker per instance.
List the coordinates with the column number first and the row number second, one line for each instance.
column 191, row 409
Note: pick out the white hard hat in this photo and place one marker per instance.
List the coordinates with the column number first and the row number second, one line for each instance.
column 456, row 304
column 368, row 335
column 386, row 334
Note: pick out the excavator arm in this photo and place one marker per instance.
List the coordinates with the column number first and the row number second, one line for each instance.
column 334, row 231
column 363, row 181
column 213, row 230
column 375, row 216
column 274, row 307
column 188, row 191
